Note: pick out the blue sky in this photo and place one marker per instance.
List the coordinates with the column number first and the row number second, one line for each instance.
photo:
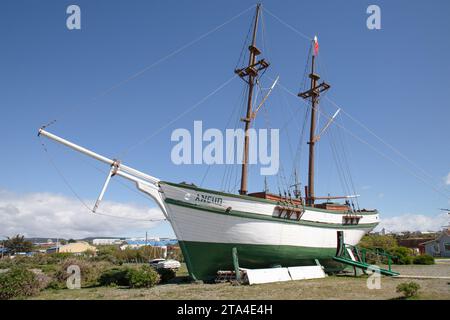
column 394, row 80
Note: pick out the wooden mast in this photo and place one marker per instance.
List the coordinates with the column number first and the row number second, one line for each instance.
column 249, row 75
column 313, row 93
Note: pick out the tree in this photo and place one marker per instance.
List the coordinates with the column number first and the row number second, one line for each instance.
column 71, row 241
column 402, row 255
column 18, row 244
column 371, row 241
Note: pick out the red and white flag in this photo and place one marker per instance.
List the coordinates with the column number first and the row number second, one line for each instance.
column 316, row 46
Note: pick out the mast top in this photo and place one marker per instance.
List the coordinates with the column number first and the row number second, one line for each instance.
column 249, row 75
column 313, row 93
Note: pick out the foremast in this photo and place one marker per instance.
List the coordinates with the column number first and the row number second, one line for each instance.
column 249, row 74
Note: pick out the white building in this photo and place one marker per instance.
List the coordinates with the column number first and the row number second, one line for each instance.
column 100, row 242
column 142, row 239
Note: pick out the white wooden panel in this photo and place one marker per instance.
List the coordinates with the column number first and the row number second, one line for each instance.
column 306, row 272
column 256, row 276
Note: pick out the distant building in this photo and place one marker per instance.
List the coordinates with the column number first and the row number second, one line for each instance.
column 135, row 244
column 75, row 247
column 3, row 251
column 143, row 239
column 439, row 247
column 413, row 243
column 47, row 244
column 427, row 232
column 102, row 242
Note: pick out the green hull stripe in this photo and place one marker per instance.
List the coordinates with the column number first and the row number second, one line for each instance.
column 372, row 212
column 204, row 259
column 256, row 216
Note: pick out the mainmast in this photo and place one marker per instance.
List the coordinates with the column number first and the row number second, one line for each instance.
column 313, row 93
column 249, row 74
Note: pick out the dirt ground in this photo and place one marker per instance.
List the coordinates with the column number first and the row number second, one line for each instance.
column 332, row 287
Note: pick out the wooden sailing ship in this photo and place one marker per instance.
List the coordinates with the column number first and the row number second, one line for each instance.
column 266, row 229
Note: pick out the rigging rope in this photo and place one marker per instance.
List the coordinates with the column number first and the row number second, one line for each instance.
column 83, row 203
column 243, row 53
column 288, row 25
column 157, row 131
column 376, row 150
column 228, row 168
column 154, row 64
column 347, row 164
column 385, row 143
column 337, row 161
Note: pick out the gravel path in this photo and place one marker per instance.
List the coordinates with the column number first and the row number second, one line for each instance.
column 436, row 270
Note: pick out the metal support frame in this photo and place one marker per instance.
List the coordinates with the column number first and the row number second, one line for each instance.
column 236, row 264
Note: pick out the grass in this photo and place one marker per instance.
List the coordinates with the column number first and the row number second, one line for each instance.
column 333, row 287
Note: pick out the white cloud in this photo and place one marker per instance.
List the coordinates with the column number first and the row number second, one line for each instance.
column 414, row 222
column 53, row 215
column 447, row 179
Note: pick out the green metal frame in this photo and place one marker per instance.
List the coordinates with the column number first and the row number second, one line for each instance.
column 344, row 257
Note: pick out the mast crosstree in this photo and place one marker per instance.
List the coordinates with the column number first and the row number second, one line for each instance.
column 313, row 93
column 249, row 74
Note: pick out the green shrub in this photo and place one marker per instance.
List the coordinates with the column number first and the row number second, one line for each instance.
column 90, row 271
column 115, row 276
column 166, row 274
column 43, row 279
column 107, row 253
column 371, row 241
column 409, row 289
column 143, row 277
column 109, row 257
column 54, row 284
column 38, row 260
column 117, row 256
column 423, row 259
column 402, row 255
column 174, row 252
column 18, row 282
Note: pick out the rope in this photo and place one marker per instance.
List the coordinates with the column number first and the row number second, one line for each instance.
column 225, row 127
column 347, row 164
column 146, row 139
column 385, row 142
column 336, row 159
column 242, row 55
column 157, row 62
column 299, row 150
column 376, row 150
column 288, row 26
column 83, row 203
column 225, row 184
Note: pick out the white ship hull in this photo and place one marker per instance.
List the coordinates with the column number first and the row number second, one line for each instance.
column 209, row 224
